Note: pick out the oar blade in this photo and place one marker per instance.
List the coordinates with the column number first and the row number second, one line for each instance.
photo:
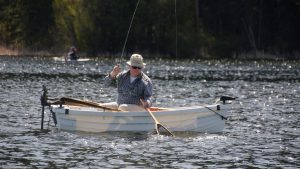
column 161, row 130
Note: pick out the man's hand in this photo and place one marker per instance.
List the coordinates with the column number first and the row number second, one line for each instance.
column 145, row 103
column 116, row 70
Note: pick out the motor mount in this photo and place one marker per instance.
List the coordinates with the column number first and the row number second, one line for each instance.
column 226, row 98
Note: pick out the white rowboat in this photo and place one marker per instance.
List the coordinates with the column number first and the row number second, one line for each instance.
column 79, row 115
column 208, row 119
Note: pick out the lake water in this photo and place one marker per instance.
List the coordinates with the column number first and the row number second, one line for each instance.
column 262, row 131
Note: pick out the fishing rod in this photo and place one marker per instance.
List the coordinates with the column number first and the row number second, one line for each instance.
column 125, row 42
column 132, row 18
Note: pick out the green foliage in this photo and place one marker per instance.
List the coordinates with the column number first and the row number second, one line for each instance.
column 204, row 28
column 11, row 23
column 26, row 24
column 37, row 20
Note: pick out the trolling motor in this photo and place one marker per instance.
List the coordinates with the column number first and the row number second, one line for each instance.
column 44, row 102
column 225, row 98
column 44, row 97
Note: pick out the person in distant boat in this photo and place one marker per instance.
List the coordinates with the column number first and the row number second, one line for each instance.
column 133, row 85
column 72, row 54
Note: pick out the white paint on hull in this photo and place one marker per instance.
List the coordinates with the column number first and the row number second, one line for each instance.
column 198, row 119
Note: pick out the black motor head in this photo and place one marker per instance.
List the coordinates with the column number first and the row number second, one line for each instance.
column 224, row 98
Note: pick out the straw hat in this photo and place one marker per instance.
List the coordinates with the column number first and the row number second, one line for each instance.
column 136, row 60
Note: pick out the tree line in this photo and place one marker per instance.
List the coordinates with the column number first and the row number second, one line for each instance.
column 170, row 28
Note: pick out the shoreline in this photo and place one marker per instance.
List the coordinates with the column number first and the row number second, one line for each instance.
column 4, row 51
column 7, row 51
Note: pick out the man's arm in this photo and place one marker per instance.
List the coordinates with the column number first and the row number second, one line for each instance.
column 111, row 78
column 148, row 95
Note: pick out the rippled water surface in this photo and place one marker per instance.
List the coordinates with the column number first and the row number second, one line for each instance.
column 262, row 131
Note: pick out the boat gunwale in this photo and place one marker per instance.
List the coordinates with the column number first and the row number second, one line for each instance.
column 95, row 111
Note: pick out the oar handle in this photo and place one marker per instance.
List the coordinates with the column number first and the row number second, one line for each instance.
column 88, row 103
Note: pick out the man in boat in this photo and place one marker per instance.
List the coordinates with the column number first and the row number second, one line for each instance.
column 133, row 85
column 72, row 54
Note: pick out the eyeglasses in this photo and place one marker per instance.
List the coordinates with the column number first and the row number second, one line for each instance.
column 135, row 67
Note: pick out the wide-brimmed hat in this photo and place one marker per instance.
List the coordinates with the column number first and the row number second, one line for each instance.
column 136, row 60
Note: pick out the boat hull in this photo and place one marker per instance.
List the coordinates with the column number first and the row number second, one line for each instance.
column 209, row 119
column 63, row 59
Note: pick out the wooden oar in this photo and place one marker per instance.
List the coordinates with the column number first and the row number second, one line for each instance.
column 158, row 125
column 67, row 100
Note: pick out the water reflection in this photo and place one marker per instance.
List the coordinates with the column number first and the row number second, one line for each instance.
column 262, row 131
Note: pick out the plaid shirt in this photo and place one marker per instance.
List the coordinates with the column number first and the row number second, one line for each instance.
column 131, row 93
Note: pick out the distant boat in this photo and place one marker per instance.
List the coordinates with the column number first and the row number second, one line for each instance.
column 63, row 59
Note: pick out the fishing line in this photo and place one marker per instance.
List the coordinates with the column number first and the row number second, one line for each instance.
column 176, row 41
column 129, row 29
column 176, row 29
